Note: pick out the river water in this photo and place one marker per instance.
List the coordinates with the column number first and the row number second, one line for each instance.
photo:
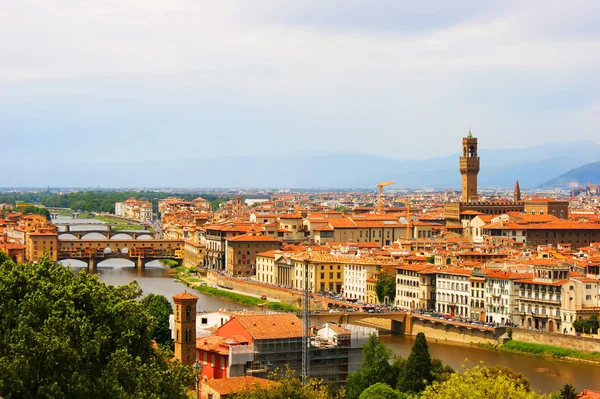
column 545, row 375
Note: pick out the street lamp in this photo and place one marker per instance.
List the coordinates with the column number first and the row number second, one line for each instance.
column 197, row 366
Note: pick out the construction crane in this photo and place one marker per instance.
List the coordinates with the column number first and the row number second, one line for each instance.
column 380, row 187
column 408, row 226
column 306, row 344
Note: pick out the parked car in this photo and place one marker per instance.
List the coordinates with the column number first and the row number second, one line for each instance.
column 263, row 297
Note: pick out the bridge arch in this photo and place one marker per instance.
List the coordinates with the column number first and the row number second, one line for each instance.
column 94, row 236
column 121, row 236
column 76, row 263
column 107, row 263
column 67, row 236
column 145, row 237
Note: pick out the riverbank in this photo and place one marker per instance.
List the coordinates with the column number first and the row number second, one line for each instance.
column 201, row 286
column 545, row 351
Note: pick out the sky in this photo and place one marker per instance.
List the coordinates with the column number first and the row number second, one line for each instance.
column 96, row 80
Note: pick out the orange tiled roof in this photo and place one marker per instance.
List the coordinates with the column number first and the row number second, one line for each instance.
column 232, row 385
column 185, row 295
column 253, row 238
column 271, row 326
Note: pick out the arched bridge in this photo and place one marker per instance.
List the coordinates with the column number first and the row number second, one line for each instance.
column 121, row 234
column 139, row 251
column 404, row 322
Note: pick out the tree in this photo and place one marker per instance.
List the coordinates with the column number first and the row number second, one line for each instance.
column 519, row 378
column 375, row 368
column 160, row 309
column 589, row 325
column 67, row 335
column 566, row 392
column 477, row 383
column 439, row 372
column 385, row 286
column 417, row 370
column 430, row 259
column 380, row 391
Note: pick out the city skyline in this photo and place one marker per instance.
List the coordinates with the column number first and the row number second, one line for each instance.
column 189, row 80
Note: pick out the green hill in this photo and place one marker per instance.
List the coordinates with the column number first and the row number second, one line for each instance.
column 588, row 173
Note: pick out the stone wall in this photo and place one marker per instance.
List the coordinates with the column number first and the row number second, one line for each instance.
column 441, row 332
column 284, row 295
column 554, row 339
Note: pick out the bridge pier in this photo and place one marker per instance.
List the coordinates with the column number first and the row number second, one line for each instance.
column 140, row 263
column 92, row 265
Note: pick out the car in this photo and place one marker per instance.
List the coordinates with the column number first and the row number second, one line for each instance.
column 334, row 311
column 263, row 297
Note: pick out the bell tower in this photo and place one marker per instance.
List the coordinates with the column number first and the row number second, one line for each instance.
column 469, row 168
column 184, row 327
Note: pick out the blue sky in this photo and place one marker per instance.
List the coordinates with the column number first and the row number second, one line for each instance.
column 87, row 80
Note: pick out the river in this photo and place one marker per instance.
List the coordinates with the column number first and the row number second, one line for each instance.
column 545, row 375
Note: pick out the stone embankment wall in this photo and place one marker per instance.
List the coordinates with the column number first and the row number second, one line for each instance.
column 283, row 294
column 441, row 332
column 564, row 341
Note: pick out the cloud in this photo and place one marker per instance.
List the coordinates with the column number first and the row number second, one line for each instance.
column 298, row 75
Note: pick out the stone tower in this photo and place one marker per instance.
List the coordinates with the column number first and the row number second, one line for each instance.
column 517, row 193
column 184, row 327
column 469, row 168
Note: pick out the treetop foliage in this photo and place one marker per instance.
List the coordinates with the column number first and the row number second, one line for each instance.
column 67, row 335
column 95, row 201
column 478, row 383
column 385, row 286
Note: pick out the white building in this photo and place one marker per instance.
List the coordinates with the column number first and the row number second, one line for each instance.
column 501, row 296
column 355, row 279
column 452, row 292
column 410, row 293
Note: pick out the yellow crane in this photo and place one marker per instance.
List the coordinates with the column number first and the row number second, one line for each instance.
column 380, row 187
column 408, row 225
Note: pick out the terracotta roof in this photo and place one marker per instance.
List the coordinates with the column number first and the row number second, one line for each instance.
column 185, row 296
column 555, row 284
column 232, row 385
column 248, row 237
column 271, row 326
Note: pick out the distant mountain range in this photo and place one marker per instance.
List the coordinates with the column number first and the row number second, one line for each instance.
column 588, row 173
column 499, row 168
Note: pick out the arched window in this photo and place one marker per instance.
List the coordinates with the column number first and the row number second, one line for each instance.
column 188, row 313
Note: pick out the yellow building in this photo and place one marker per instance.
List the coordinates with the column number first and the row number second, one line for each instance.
column 193, row 254
column 42, row 241
column 326, row 271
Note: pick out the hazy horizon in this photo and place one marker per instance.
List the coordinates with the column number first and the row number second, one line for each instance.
column 88, row 82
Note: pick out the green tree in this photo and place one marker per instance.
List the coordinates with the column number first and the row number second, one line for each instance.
column 589, row 325
column 430, row 259
column 385, row 286
column 439, row 372
column 375, row 368
column 380, row 391
column 67, row 335
column 160, row 309
column 417, row 370
column 566, row 392
column 519, row 378
column 477, row 383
